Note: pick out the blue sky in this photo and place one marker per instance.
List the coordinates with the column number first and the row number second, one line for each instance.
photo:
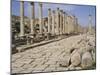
column 80, row 11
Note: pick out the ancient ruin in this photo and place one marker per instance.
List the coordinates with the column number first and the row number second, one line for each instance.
column 53, row 43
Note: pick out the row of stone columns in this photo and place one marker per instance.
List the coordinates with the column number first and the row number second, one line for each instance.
column 32, row 18
column 58, row 20
column 22, row 18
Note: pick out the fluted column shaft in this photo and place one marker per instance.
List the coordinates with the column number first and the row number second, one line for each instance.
column 40, row 18
column 61, row 21
column 49, row 20
column 32, row 18
column 21, row 18
column 53, row 22
column 90, row 23
column 57, row 21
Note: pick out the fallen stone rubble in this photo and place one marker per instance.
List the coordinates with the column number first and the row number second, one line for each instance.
column 82, row 54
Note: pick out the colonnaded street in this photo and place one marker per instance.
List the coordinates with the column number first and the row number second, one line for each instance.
column 65, row 54
column 52, row 38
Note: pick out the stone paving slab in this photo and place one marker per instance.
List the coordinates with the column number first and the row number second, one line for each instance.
column 44, row 58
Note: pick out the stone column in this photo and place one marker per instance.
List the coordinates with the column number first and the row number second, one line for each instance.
column 40, row 18
column 32, row 17
column 53, row 22
column 61, row 21
column 66, row 24
column 49, row 24
column 90, row 24
column 21, row 18
column 57, row 21
column 49, row 20
column 69, row 24
column 76, row 25
column 73, row 25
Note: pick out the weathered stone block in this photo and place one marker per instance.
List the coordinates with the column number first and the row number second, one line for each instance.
column 75, row 59
column 64, row 62
column 86, row 60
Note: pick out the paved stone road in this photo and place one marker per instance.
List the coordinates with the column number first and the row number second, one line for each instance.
column 43, row 58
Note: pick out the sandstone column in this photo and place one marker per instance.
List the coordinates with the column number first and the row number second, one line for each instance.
column 61, row 21
column 49, row 20
column 90, row 23
column 71, row 24
column 49, row 24
column 77, row 24
column 40, row 18
column 53, row 22
column 57, row 21
column 74, row 23
column 66, row 24
column 32, row 17
column 21, row 18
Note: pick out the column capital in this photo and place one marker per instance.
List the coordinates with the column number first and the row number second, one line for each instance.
column 74, row 16
column 90, row 16
column 57, row 8
column 53, row 11
column 22, row 1
column 40, row 4
column 64, row 12
column 31, row 3
column 49, row 9
column 61, row 10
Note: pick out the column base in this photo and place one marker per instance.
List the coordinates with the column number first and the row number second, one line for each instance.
column 22, row 36
column 40, row 35
column 30, row 39
column 48, row 36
